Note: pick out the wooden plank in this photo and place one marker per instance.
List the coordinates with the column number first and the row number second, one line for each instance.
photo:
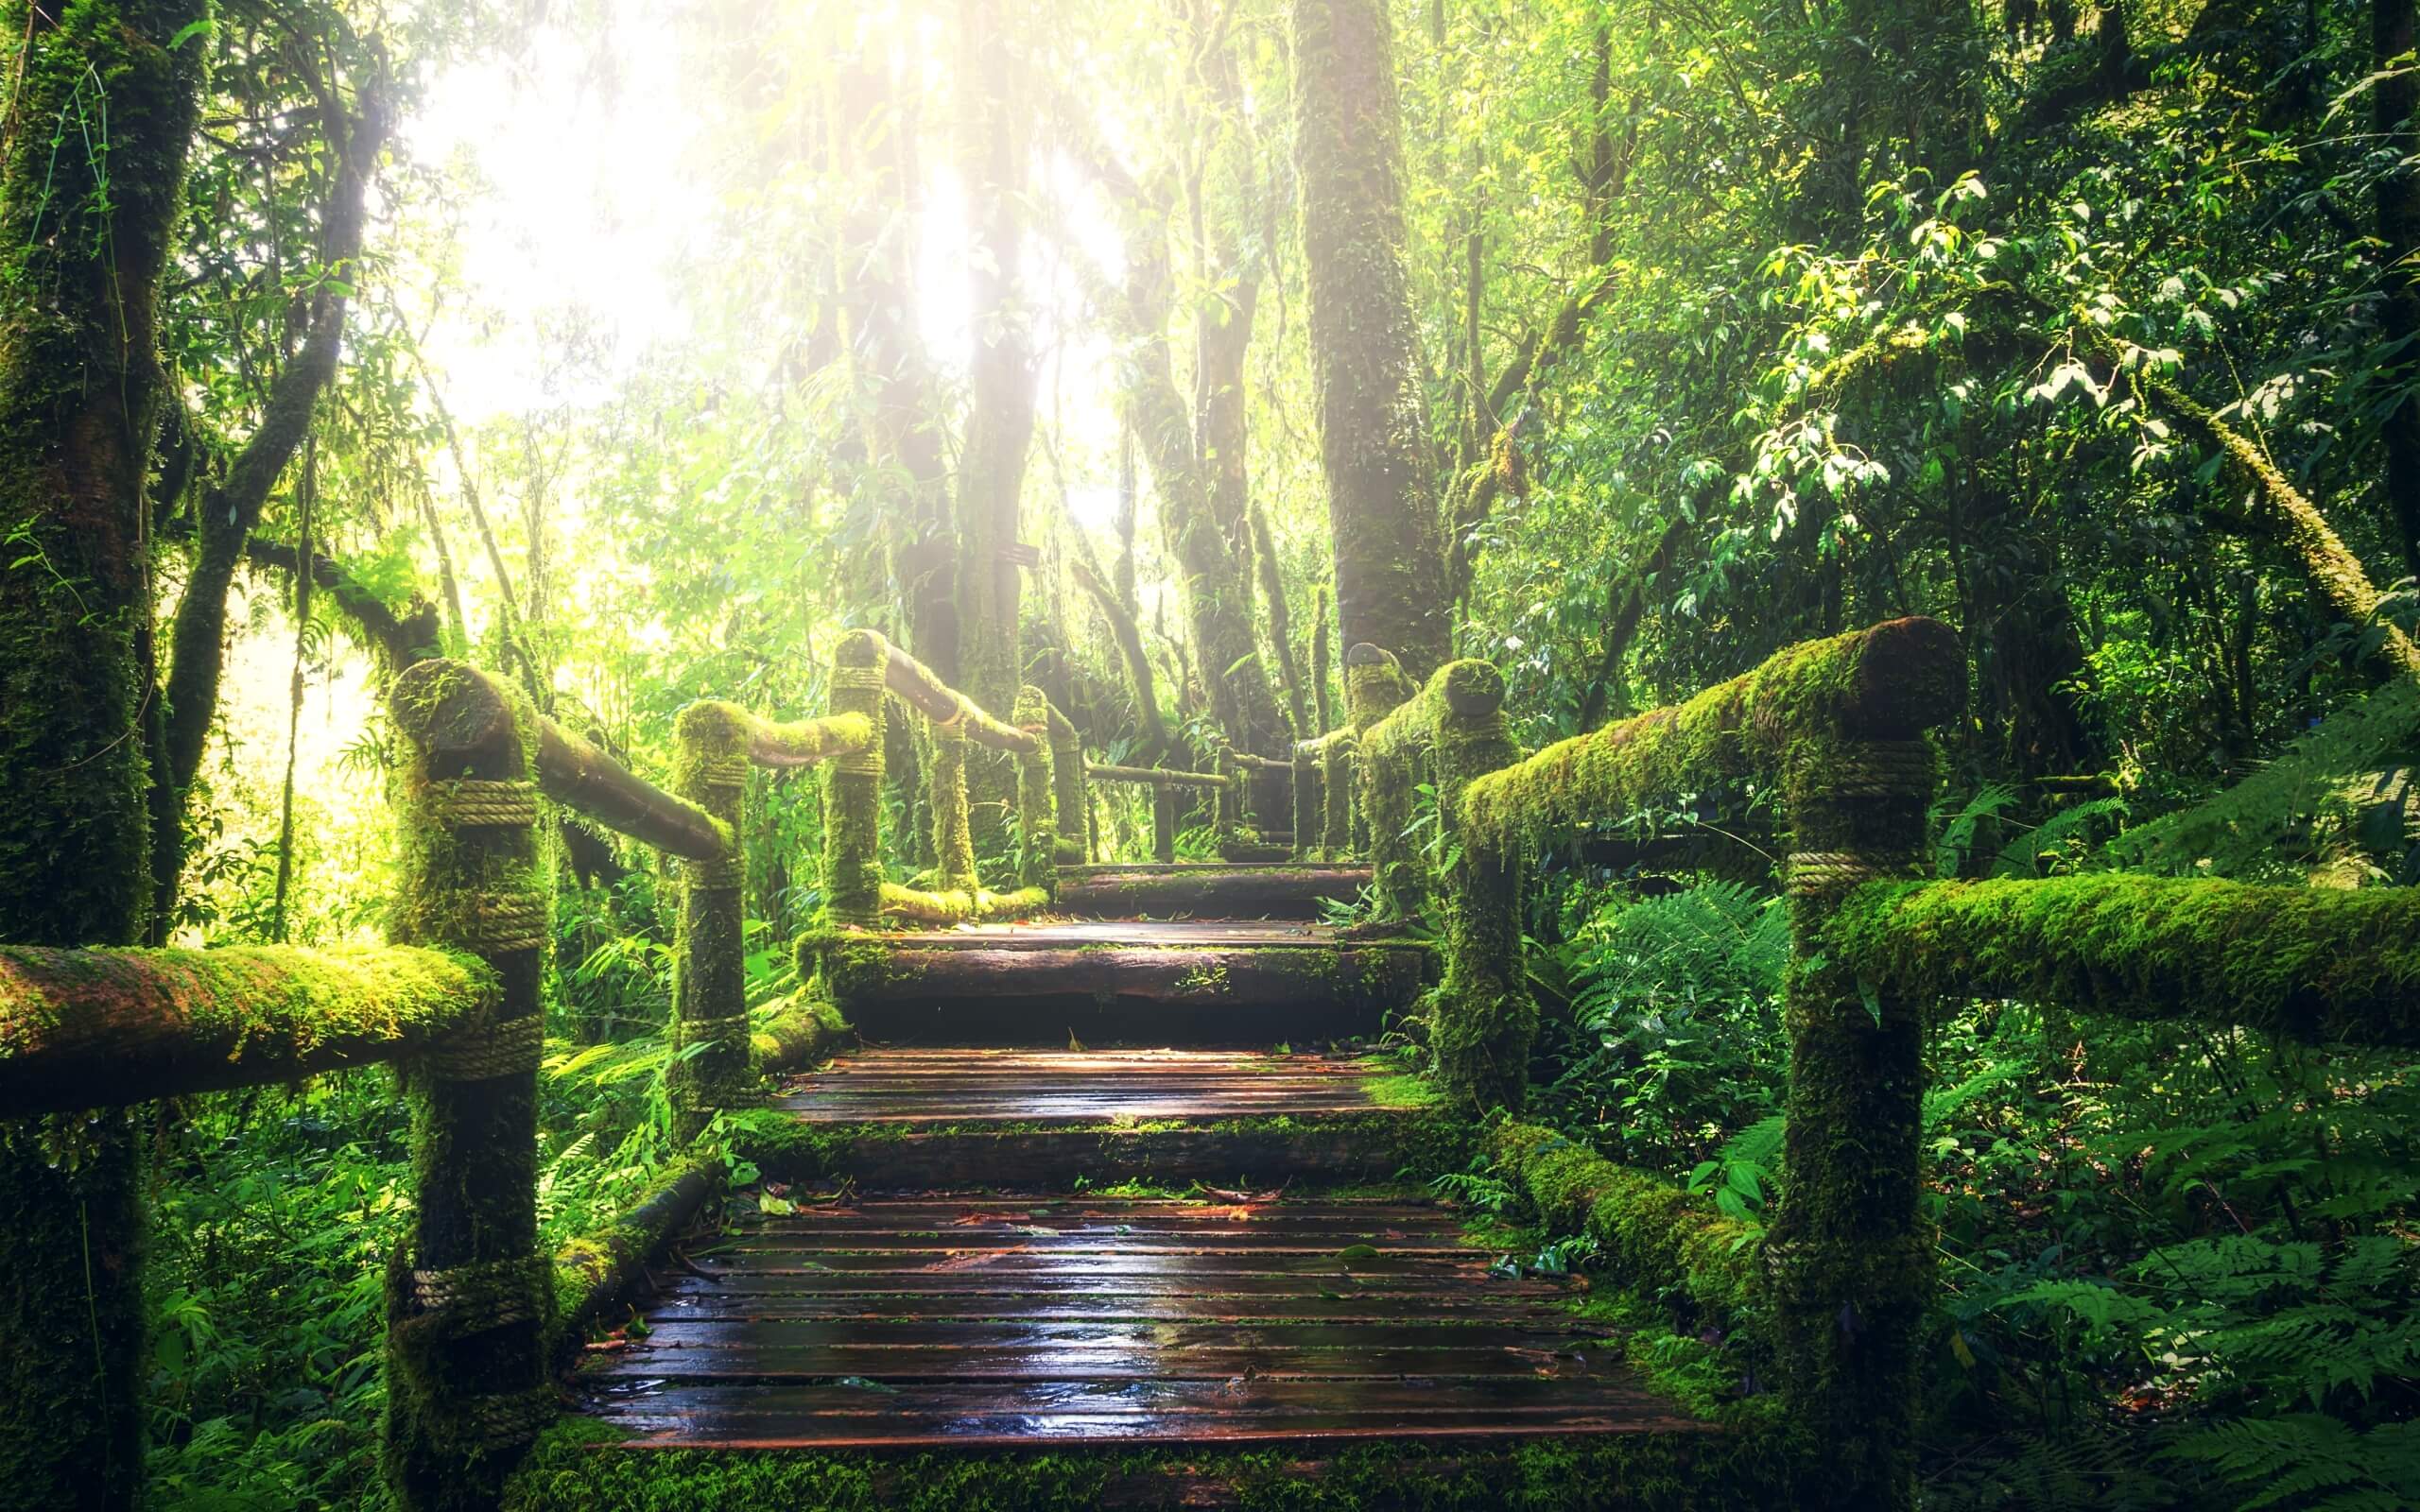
column 702, row 1301
column 1141, row 1397
column 1053, row 1362
column 1168, row 1338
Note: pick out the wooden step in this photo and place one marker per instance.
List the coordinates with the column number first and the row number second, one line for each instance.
column 897, row 1324
column 1127, row 982
column 961, row 1117
column 1207, row 889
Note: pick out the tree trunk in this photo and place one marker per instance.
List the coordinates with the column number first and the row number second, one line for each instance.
column 86, row 216
column 902, row 454
column 1390, row 584
column 1000, row 427
column 2398, row 227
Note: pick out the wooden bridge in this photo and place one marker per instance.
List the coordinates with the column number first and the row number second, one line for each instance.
column 1087, row 1188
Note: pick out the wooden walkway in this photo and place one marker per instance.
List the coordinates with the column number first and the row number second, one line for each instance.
column 936, row 1266
column 927, row 1320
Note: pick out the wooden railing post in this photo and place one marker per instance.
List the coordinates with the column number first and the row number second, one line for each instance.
column 1232, row 810
column 1850, row 1265
column 1072, row 797
column 1164, row 824
column 1309, row 810
column 468, row 1293
column 1375, row 685
column 1338, row 761
column 709, row 980
column 1483, row 1018
column 1037, row 795
column 953, row 826
column 853, row 788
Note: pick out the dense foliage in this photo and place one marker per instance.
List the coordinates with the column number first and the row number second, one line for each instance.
column 1737, row 324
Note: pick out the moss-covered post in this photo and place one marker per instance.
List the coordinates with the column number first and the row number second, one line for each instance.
column 710, row 974
column 1037, row 795
column 1310, row 812
column 468, row 1293
column 103, row 101
column 1375, row 686
column 1163, row 823
column 953, row 830
column 853, row 788
column 1482, row 1017
column 1067, row 782
column 1849, row 1265
column 1229, row 817
column 1338, row 760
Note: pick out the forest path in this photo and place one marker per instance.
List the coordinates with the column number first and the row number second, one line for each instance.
column 1015, row 1237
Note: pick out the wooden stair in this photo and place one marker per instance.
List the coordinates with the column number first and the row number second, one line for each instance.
column 1198, row 982
column 1192, row 1250
column 1282, row 889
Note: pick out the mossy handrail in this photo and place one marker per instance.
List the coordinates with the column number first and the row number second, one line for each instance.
column 460, row 709
column 1835, row 731
column 98, row 1028
column 2318, row 965
column 865, row 668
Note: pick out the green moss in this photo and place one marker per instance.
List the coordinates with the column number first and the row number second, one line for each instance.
column 1037, row 795
column 799, row 1030
column 465, row 1384
column 853, row 787
column 1656, row 1237
column 184, row 1020
column 961, row 905
column 1678, row 1470
column 1891, row 680
column 2310, row 963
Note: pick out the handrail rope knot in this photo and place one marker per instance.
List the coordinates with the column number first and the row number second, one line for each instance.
column 859, row 679
column 1816, row 872
column 474, row 801
column 724, row 771
column 484, row 1294
column 1874, row 768
column 496, row 922
column 722, row 873
column 513, row 1047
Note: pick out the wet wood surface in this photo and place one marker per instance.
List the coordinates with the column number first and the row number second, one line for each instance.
column 1205, row 890
column 937, row 1319
column 907, row 1085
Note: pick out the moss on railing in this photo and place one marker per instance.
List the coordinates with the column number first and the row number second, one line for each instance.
column 853, row 786
column 1655, row 1237
column 2310, row 963
column 98, row 1028
column 467, row 1295
column 710, row 743
column 1037, row 795
column 1898, row 674
column 1480, row 1017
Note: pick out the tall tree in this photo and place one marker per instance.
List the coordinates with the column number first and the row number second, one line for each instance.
column 229, row 507
column 1391, row 582
column 1196, row 451
column 2398, row 230
column 86, row 216
column 875, row 153
column 999, row 426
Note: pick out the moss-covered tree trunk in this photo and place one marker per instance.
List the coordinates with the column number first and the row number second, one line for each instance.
column 1000, row 427
column 2398, row 227
column 1390, row 585
column 468, row 1293
column 87, row 214
column 902, row 445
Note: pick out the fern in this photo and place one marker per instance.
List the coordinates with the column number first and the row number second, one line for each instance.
column 2242, row 831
